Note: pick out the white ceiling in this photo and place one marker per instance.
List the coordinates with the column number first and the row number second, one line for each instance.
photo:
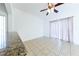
column 33, row 8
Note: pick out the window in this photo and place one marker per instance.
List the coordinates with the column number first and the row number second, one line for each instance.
column 2, row 32
column 62, row 29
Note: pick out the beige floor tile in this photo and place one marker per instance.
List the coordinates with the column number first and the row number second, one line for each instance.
column 50, row 47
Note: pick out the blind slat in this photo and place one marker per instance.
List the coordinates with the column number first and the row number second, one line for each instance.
column 2, row 32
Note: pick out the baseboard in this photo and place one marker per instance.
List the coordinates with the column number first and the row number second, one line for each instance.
column 35, row 38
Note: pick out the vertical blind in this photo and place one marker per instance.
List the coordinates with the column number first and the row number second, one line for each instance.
column 62, row 29
column 2, row 32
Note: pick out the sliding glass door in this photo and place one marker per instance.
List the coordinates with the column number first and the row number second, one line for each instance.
column 62, row 29
column 2, row 32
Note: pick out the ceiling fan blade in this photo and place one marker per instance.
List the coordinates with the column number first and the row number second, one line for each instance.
column 43, row 10
column 58, row 4
column 56, row 11
column 47, row 13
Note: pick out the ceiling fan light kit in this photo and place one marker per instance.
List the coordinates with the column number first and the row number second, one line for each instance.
column 51, row 8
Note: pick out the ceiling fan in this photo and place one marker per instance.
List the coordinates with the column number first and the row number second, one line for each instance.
column 51, row 7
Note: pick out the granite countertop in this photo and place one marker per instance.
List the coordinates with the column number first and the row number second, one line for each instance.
column 15, row 46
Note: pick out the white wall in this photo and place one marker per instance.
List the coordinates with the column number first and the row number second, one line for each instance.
column 27, row 25
column 65, row 10
column 9, row 9
column 3, row 9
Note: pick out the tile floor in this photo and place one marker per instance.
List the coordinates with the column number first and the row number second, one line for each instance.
column 50, row 47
